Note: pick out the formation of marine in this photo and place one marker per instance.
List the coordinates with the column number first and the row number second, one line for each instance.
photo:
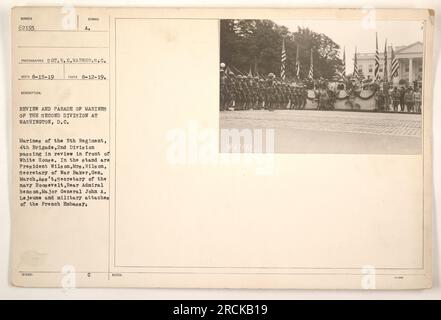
column 240, row 92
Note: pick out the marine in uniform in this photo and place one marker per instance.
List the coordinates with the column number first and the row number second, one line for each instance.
column 303, row 96
column 395, row 99
column 291, row 97
column 285, row 95
column 231, row 91
column 239, row 102
column 269, row 95
column 380, row 100
column 409, row 99
column 418, row 101
column 261, row 94
column 223, row 91
column 402, row 93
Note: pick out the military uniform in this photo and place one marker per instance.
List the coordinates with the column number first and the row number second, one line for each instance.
column 402, row 93
column 246, row 95
column 418, row 101
column 261, row 94
column 409, row 99
column 269, row 95
column 323, row 99
column 232, row 89
column 291, row 97
column 386, row 96
column 285, row 95
column 239, row 102
column 395, row 99
column 279, row 91
column 255, row 93
column 380, row 101
column 303, row 97
column 223, row 92
column 295, row 100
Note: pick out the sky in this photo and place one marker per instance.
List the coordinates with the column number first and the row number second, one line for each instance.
column 351, row 34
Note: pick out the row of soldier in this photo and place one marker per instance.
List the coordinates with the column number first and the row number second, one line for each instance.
column 247, row 92
column 399, row 99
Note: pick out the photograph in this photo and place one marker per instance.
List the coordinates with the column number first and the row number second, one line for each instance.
column 323, row 86
column 222, row 158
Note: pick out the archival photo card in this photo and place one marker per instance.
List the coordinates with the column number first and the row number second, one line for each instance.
column 221, row 148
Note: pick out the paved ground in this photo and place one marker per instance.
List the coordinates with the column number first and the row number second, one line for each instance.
column 312, row 131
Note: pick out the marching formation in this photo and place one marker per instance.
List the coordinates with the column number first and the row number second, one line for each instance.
column 248, row 92
column 402, row 99
column 239, row 92
column 342, row 92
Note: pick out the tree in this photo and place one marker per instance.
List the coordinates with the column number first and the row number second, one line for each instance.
column 245, row 43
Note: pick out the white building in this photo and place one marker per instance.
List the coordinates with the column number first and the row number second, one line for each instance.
column 410, row 58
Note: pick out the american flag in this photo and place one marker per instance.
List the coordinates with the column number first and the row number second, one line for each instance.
column 283, row 60
column 297, row 62
column 377, row 60
column 356, row 75
column 311, row 68
column 385, row 61
column 394, row 65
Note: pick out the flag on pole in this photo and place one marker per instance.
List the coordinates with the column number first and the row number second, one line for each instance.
column 283, row 60
column 356, row 75
column 377, row 60
column 394, row 65
column 311, row 68
column 343, row 72
column 297, row 63
column 385, row 77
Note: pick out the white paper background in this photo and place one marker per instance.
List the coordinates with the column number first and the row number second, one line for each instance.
column 9, row 292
